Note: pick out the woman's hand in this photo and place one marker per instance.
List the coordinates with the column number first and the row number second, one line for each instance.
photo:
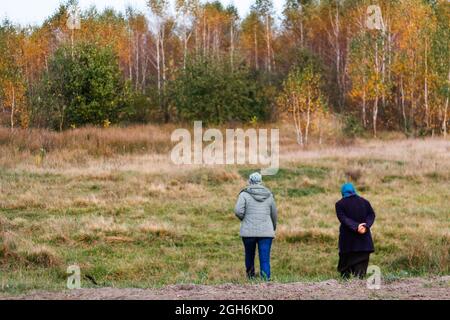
column 362, row 229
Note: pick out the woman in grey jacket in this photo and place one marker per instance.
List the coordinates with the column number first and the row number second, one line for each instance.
column 257, row 211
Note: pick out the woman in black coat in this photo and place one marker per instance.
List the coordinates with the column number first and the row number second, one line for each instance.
column 355, row 239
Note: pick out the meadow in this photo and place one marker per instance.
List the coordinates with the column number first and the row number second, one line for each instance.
column 110, row 201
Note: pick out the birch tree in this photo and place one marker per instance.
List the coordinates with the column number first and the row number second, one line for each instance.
column 159, row 10
column 302, row 98
column 12, row 84
column 264, row 8
column 186, row 10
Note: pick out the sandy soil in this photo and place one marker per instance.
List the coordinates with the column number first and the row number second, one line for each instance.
column 413, row 288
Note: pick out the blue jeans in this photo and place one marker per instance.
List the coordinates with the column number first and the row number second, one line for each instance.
column 264, row 246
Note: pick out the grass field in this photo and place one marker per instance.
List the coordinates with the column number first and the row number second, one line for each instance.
column 111, row 202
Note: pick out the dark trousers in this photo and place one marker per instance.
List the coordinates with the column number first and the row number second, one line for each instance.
column 264, row 246
column 353, row 264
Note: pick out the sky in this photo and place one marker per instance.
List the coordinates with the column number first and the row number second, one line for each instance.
column 34, row 12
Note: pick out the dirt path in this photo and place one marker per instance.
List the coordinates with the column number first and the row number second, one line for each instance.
column 413, row 288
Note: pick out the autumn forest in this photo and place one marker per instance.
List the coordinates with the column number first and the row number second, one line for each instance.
column 379, row 65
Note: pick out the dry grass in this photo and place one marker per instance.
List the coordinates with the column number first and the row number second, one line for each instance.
column 22, row 253
column 111, row 201
column 50, row 149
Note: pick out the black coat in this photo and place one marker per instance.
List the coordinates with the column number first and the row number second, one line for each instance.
column 351, row 212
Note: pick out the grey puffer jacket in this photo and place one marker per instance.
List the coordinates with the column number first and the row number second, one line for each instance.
column 257, row 211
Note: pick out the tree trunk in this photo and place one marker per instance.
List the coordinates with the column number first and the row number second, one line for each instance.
column 232, row 44
column 375, row 104
column 297, row 121
column 72, row 41
column 389, row 49
column 164, row 77
column 196, row 39
column 444, row 121
column 336, row 32
column 256, row 48
column 405, row 124
column 216, row 43
column 302, row 35
column 61, row 118
column 308, row 118
column 185, row 42
column 144, row 65
column 208, row 40
column 13, row 105
column 187, row 37
column 269, row 59
column 412, row 110
column 383, row 72
column 130, row 63
column 158, row 68
column 204, row 35
column 136, row 64
column 427, row 109
column 364, row 112
column 375, row 116
column 320, row 129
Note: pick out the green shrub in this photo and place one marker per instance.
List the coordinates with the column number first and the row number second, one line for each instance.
column 213, row 92
column 83, row 86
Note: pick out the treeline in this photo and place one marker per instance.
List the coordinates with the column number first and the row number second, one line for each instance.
column 205, row 62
